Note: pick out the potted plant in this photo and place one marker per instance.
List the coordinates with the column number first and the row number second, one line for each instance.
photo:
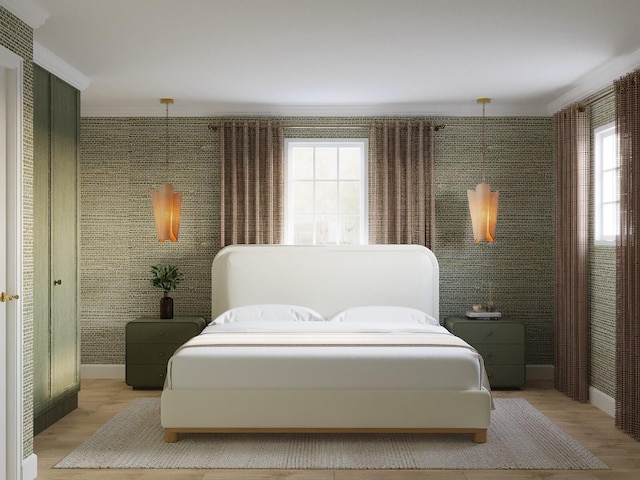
column 166, row 277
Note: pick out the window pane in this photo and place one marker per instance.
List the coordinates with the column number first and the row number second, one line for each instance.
column 349, row 163
column 303, row 229
column 326, row 163
column 302, row 163
column 323, row 191
column 350, row 229
column 349, row 197
column 326, row 229
column 326, row 197
column 609, row 159
column 610, row 220
column 606, row 173
column 609, row 186
column 302, row 197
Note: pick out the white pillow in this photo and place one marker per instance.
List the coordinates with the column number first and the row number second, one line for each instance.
column 384, row 314
column 269, row 313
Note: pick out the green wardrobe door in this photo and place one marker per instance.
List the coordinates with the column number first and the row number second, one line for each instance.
column 56, row 324
column 41, row 243
column 64, row 236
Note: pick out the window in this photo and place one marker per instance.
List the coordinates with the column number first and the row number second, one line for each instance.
column 607, row 170
column 326, row 192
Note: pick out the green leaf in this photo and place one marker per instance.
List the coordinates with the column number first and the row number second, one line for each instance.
column 166, row 277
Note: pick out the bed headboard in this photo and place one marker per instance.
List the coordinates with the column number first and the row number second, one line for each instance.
column 326, row 278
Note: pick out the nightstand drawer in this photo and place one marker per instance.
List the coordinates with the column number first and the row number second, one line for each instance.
column 493, row 332
column 157, row 332
column 505, row 375
column 501, row 344
column 150, row 353
column 150, row 343
column 501, row 353
column 146, row 376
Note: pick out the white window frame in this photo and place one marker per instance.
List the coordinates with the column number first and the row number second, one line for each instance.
column 601, row 238
column 363, row 144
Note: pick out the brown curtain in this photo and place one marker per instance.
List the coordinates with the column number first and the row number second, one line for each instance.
column 401, row 186
column 252, row 182
column 572, row 160
column 627, row 94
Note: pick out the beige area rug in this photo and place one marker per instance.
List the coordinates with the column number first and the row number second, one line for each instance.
column 520, row 437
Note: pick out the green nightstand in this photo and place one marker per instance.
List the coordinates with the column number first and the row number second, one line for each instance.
column 501, row 344
column 150, row 342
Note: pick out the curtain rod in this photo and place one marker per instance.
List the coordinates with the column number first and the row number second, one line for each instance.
column 213, row 126
column 591, row 101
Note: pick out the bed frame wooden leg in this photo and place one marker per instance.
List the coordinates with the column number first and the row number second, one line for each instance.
column 480, row 437
column 170, row 436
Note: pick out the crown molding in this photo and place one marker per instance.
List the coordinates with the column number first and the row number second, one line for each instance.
column 61, row 69
column 230, row 109
column 26, row 10
column 596, row 80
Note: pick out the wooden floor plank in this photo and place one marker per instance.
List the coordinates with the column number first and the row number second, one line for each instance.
column 100, row 400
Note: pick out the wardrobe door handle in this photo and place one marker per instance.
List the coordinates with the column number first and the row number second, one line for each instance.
column 5, row 297
column 57, row 282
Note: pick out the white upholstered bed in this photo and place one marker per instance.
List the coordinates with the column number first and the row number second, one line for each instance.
column 325, row 339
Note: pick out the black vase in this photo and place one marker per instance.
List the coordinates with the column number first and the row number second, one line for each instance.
column 166, row 306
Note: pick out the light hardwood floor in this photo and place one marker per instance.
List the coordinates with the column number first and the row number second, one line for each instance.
column 102, row 399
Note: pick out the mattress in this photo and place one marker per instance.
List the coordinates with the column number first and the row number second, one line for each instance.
column 325, row 355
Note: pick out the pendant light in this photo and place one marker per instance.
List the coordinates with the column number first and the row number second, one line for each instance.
column 167, row 203
column 483, row 204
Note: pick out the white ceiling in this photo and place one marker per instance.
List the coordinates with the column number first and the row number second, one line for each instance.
column 336, row 57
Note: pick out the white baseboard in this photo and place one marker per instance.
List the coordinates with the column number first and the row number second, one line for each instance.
column 603, row 401
column 540, row 372
column 30, row 467
column 597, row 398
column 534, row 372
column 102, row 371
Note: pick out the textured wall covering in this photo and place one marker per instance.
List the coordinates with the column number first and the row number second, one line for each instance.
column 17, row 36
column 520, row 262
column 602, row 277
column 123, row 158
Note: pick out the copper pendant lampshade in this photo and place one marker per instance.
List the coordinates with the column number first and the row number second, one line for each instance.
column 483, row 204
column 167, row 203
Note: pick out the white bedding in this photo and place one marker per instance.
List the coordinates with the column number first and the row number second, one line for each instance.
column 325, row 366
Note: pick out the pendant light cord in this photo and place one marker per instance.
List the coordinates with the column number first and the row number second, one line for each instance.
column 166, row 102
column 484, row 141
column 166, row 163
